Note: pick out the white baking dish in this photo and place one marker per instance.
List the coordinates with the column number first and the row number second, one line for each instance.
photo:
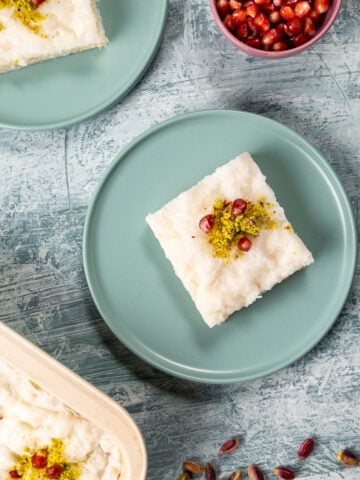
column 79, row 395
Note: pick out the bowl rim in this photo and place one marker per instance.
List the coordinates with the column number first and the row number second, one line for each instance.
column 336, row 4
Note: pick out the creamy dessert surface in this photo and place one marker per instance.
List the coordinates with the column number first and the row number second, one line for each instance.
column 66, row 26
column 217, row 287
column 31, row 418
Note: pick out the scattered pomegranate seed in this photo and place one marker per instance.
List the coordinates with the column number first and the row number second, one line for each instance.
column 54, row 471
column 306, row 448
column 36, row 3
column 321, row 6
column 239, row 206
column 244, row 244
column 206, row 223
column 38, row 460
column 14, row 474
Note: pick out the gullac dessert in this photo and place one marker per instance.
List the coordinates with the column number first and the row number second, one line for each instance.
column 41, row 438
column 228, row 239
column 36, row 30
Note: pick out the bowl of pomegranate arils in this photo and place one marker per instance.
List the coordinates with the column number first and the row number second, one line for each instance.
column 274, row 28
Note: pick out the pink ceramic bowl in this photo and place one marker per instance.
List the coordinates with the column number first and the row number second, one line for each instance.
column 328, row 20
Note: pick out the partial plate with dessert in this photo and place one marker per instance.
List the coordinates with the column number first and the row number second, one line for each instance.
column 63, row 62
column 145, row 303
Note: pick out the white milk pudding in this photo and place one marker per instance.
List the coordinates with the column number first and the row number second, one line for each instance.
column 228, row 239
column 36, row 30
column 41, row 438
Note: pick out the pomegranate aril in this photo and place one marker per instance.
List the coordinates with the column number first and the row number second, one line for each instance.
column 277, row 3
column 321, row 6
column 54, row 471
column 299, row 40
column 293, row 27
column 206, row 224
column 254, row 42
column 230, row 23
column 268, row 8
column 252, row 10
column 36, row 3
column 14, row 474
column 235, row 4
column 275, row 16
column 262, row 22
column 239, row 206
column 286, row 12
column 302, row 9
column 309, row 27
column 289, row 2
column 242, row 31
column 262, row 2
column 314, row 15
column 223, row 7
column 244, row 244
column 271, row 37
column 238, row 16
column 253, row 31
column 38, row 461
column 279, row 46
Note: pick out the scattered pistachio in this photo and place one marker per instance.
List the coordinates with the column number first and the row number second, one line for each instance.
column 347, row 458
column 193, row 467
column 237, row 475
column 284, row 473
column 210, row 472
column 306, row 448
column 229, row 446
column 255, row 473
column 185, row 476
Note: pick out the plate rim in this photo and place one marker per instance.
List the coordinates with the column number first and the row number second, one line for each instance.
column 111, row 101
column 191, row 374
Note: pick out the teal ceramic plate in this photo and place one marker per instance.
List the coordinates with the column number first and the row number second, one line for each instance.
column 145, row 304
column 67, row 90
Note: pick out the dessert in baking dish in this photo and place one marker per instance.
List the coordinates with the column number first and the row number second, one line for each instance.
column 41, row 438
column 228, row 239
column 36, row 30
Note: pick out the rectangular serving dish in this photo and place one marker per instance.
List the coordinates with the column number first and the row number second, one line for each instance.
column 80, row 396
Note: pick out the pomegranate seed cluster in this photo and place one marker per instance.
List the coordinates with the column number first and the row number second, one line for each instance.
column 273, row 25
column 231, row 223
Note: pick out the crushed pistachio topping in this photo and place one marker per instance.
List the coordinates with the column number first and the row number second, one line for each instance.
column 55, row 456
column 26, row 12
column 228, row 229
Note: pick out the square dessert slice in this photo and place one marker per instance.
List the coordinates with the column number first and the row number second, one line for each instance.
column 36, row 30
column 228, row 239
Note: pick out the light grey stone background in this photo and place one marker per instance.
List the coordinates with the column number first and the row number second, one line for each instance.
column 47, row 179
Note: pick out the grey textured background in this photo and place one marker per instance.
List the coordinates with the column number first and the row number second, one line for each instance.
column 47, row 179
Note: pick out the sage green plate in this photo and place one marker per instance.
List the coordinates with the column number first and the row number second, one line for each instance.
column 145, row 304
column 67, row 90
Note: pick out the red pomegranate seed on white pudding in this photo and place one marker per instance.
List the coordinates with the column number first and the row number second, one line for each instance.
column 36, row 3
column 321, row 6
column 302, row 9
column 206, row 224
column 286, row 12
column 239, row 206
column 223, row 7
column 309, row 27
column 244, row 244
